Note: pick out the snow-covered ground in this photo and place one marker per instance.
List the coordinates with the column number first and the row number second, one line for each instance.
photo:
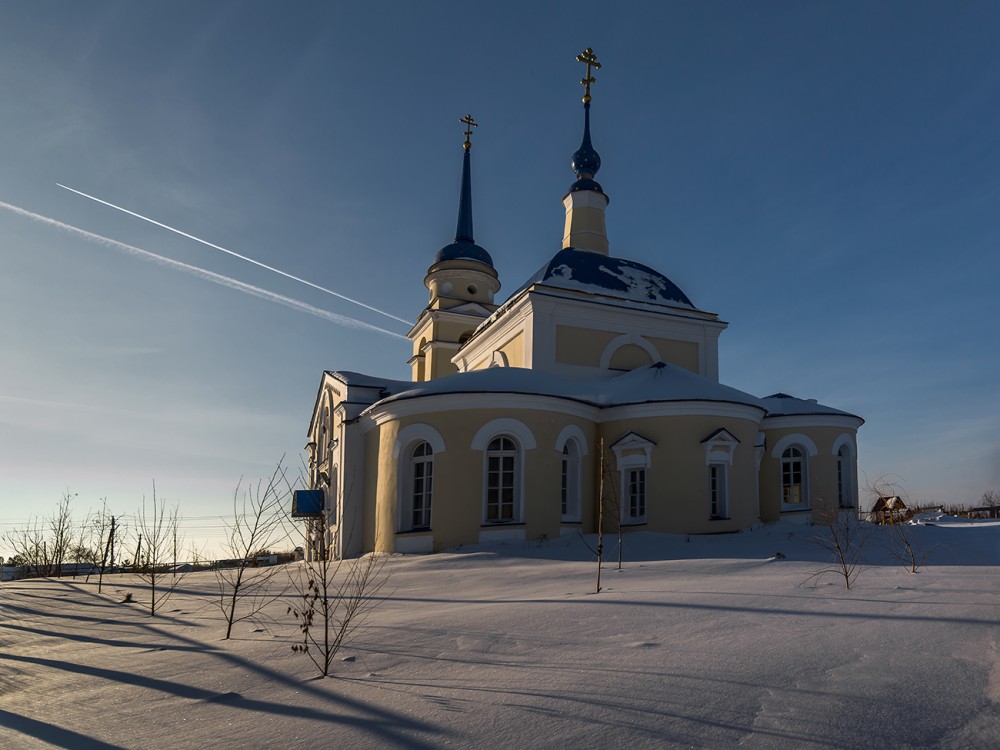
column 708, row 642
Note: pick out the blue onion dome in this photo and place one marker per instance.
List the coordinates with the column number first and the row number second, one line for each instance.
column 586, row 160
column 463, row 251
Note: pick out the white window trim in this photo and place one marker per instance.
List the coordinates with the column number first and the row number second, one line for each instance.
column 518, row 480
column 626, row 466
column 632, row 442
column 573, row 433
column 850, row 485
column 404, row 504
column 497, row 427
column 794, row 439
column 415, row 433
column 402, row 448
column 722, row 468
column 573, row 464
column 804, row 505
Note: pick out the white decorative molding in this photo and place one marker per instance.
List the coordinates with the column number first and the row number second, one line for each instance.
column 842, row 440
column 793, row 439
column 504, row 425
column 624, row 340
column 500, row 360
column 719, row 447
column 629, row 442
column 793, row 421
column 571, row 431
column 414, row 432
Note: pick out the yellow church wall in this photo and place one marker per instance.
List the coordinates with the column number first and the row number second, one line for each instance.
column 677, row 479
column 458, row 498
column 581, row 346
column 821, row 473
column 371, row 479
column 681, row 353
column 512, row 349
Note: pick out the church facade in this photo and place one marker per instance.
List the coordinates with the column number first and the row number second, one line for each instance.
column 590, row 396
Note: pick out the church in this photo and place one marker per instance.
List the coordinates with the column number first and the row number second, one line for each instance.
column 589, row 396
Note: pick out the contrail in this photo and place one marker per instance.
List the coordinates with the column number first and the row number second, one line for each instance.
column 203, row 273
column 237, row 255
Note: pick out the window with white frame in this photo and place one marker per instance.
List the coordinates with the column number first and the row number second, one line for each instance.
column 635, row 496
column 720, row 447
column 845, row 479
column 718, row 477
column 569, row 485
column 633, row 453
column 503, row 479
column 416, row 513
column 794, row 478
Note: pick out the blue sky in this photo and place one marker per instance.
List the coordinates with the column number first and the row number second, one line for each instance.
column 824, row 176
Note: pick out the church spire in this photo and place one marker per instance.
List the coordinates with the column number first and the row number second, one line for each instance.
column 464, row 231
column 586, row 201
column 586, row 160
column 464, row 247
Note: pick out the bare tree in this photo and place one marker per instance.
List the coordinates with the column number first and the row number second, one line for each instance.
column 334, row 599
column 60, row 543
column 257, row 523
column 30, row 548
column 156, row 529
column 991, row 501
column 901, row 544
column 844, row 537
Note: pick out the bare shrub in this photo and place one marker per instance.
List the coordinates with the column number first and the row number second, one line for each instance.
column 334, row 599
column 157, row 538
column 844, row 536
column 901, row 543
column 257, row 523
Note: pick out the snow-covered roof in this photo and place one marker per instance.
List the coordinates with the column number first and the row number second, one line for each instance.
column 584, row 271
column 783, row 405
column 360, row 380
column 656, row 383
column 660, row 382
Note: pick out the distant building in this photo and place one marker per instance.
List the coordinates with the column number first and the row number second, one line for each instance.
column 498, row 435
column 890, row 509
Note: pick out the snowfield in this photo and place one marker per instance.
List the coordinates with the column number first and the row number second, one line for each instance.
column 702, row 642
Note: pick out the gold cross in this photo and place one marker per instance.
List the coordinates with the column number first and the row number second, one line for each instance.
column 588, row 57
column 469, row 125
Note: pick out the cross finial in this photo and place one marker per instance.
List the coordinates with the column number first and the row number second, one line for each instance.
column 588, row 57
column 469, row 125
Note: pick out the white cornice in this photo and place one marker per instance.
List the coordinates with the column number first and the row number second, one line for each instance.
column 502, row 402
column 683, row 409
column 382, row 413
column 792, row 421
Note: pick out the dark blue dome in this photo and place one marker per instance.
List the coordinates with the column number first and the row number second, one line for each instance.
column 586, row 159
column 464, row 251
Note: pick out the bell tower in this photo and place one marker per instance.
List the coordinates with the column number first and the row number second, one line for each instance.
column 462, row 283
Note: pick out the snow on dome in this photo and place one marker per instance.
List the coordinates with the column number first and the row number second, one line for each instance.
column 613, row 277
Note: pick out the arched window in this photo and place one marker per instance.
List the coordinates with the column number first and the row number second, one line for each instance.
column 794, row 479
column 415, row 513
column 845, row 479
column 503, row 480
column 569, row 483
